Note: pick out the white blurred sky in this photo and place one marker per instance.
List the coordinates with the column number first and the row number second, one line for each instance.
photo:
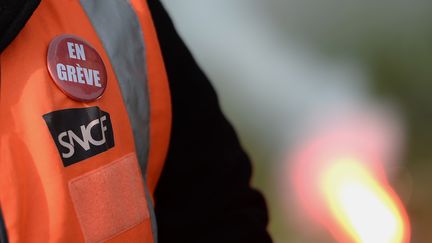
column 267, row 82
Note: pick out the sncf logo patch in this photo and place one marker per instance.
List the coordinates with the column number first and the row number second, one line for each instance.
column 80, row 133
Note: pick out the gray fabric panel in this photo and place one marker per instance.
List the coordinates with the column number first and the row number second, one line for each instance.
column 152, row 214
column 119, row 29
column 120, row 32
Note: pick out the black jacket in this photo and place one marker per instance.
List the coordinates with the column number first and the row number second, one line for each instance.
column 215, row 203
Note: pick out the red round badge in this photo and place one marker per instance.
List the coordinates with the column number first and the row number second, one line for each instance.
column 76, row 68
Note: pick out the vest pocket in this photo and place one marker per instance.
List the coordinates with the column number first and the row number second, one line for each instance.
column 110, row 200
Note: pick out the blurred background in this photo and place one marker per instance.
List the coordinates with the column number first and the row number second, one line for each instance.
column 283, row 68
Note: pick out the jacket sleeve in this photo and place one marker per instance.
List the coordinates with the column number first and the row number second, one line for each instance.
column 204, row 193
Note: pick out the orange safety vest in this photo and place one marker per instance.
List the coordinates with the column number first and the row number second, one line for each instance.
column 83, row 171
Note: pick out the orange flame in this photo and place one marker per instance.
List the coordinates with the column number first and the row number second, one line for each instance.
column 338, row 177
column 362, row 208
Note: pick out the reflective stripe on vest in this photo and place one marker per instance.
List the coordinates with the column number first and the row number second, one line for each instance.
column 106, row 196
column 123, row 40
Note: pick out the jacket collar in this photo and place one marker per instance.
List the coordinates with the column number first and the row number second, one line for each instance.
column 13, row 16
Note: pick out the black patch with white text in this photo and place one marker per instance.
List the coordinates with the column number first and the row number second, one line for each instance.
column 80, row 133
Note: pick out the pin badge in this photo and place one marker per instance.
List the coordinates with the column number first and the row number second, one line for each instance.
column 76, row 68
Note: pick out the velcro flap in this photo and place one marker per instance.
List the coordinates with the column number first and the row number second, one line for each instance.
column 110, row 200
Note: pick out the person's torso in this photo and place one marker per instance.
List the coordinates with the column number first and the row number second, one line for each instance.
column 74, row 168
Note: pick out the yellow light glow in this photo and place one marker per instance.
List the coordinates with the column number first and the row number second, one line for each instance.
column 361, row 205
